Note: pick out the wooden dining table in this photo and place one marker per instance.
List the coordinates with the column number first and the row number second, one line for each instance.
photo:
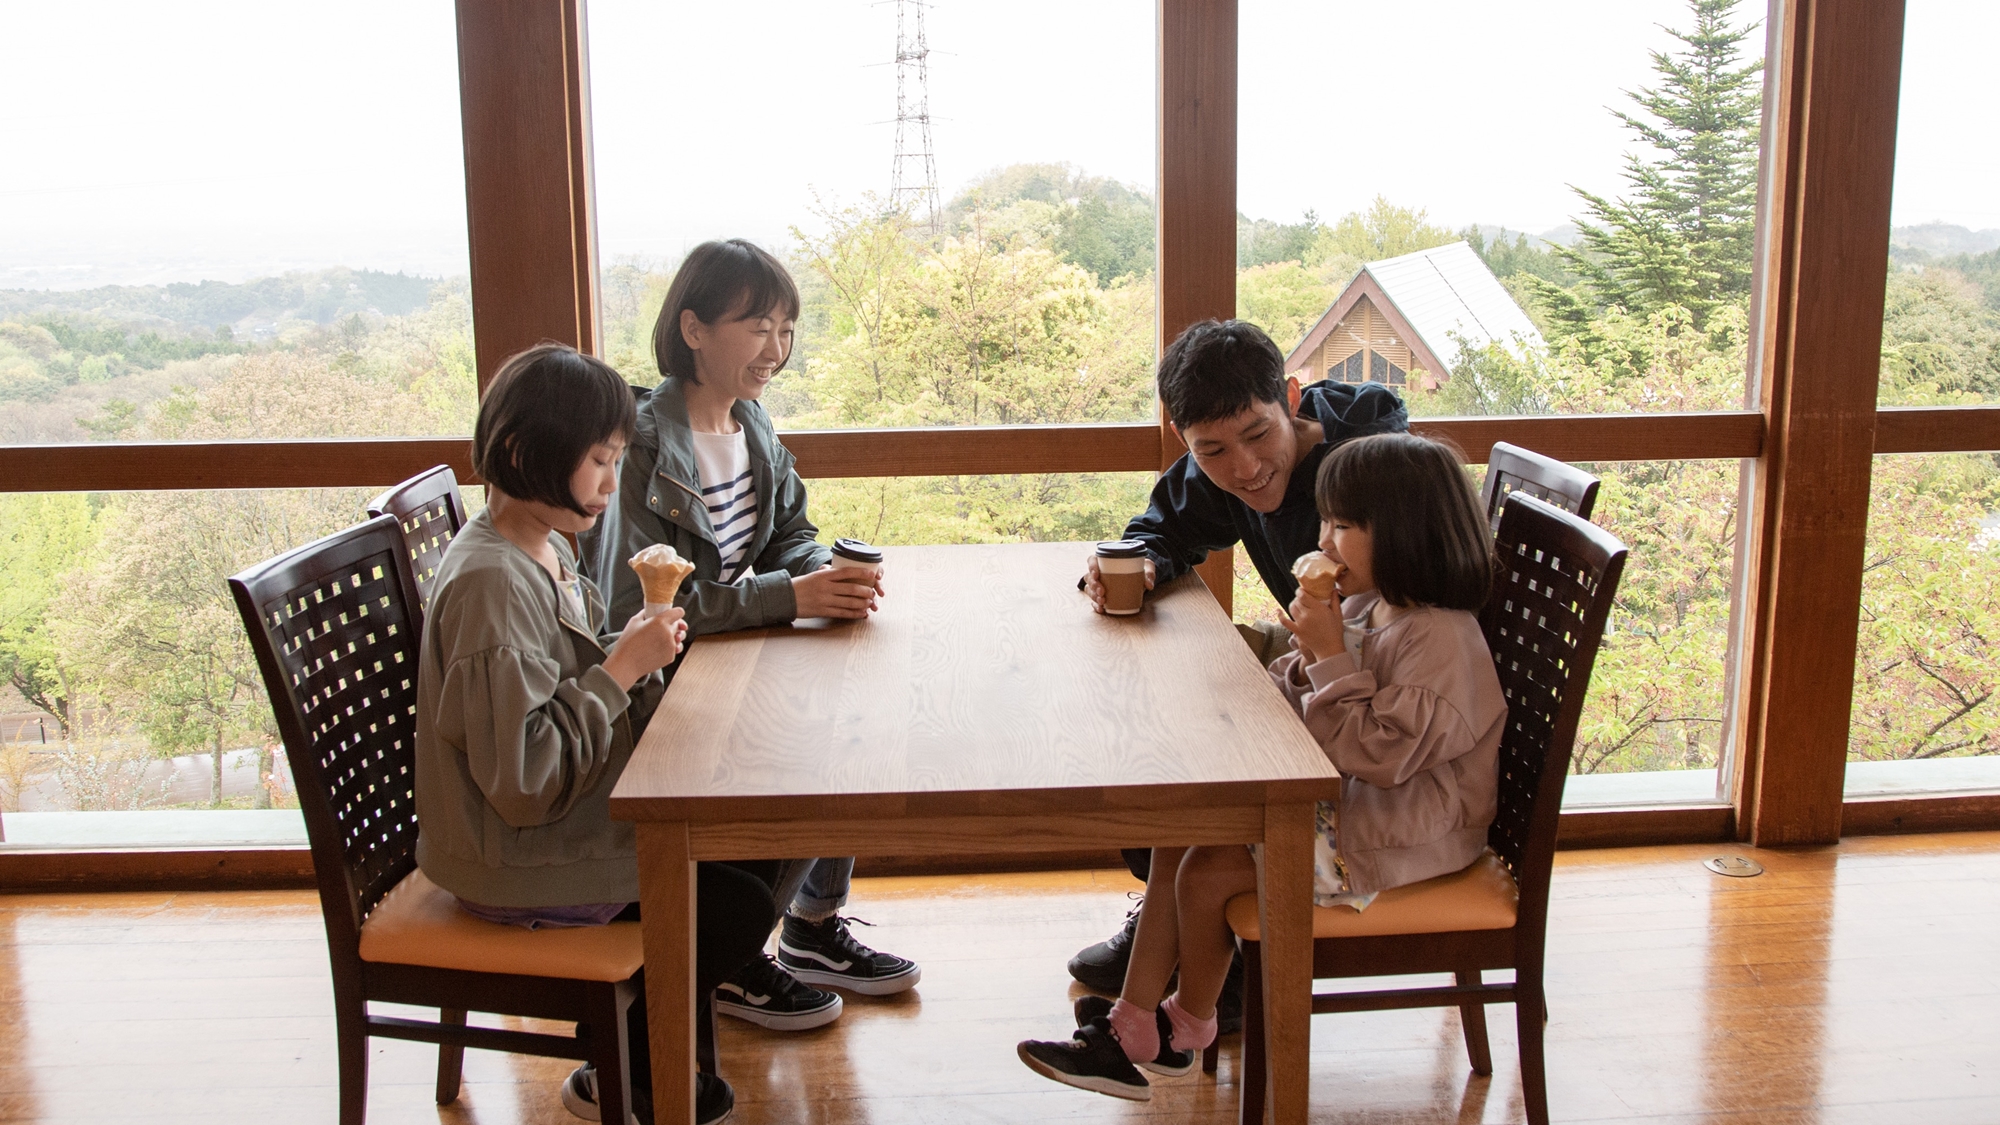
column 983, row 710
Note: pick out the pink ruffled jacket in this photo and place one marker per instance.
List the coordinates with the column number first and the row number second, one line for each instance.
column 1414, row 729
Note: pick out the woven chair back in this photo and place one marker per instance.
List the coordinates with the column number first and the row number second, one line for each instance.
column 1557, row 577
column 429, row 511
column 336, row 642
column 1511, row 469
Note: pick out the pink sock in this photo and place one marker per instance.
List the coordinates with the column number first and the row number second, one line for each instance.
column 1190, row 1034
column 1138, row 1031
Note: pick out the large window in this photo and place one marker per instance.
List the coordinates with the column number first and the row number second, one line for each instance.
column 1564, row 228
column 1926, row 663
column 203, row 187
column 985, row 260
column 223, row 221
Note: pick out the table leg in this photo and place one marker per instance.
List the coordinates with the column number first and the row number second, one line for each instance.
column 666, row 912
column 1284, row 901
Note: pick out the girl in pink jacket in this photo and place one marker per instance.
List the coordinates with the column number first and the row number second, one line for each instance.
column 1398, row 686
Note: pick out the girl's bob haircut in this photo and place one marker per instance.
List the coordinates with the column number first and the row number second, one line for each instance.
column 543, row 411
column 720, row 281
column 1432, row 546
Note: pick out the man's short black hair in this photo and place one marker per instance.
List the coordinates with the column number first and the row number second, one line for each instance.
column 719, row 281
column 542, row 412
column 1218, row 369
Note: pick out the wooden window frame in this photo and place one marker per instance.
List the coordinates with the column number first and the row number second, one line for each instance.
column 1808, row 445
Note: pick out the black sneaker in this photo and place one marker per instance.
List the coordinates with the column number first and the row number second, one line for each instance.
column 826, row 953
column 1169, row 1062
column 579, row 1093
column 1101, row 967
column 714, row 1101
column 1092, row 1060
column 768, row 996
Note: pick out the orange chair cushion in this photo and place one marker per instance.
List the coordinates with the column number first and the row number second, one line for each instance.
column 1481, row 897
column 419, row 923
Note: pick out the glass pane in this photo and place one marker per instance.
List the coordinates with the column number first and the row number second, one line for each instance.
column 1652, row 729
column 1043, row 508
column 1568, row 235
column 1941, row 315
column 228, row 191
column 1008, row 280
column 133, row 712
column 1927, row 658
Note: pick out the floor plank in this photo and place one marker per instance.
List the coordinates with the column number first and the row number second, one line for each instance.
column 1846, row 985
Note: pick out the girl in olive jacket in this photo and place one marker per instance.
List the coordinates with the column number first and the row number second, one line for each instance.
column 527, row 715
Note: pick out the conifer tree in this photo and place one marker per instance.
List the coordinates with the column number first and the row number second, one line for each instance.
column 1683, row 236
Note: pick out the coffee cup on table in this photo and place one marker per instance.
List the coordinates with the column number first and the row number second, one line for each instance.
column 854, row 554
column 1121, row 568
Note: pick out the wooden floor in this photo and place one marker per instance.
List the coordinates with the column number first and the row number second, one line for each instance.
column 1850, row 984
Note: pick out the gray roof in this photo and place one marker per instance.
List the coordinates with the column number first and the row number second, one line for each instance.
column 1447, row 292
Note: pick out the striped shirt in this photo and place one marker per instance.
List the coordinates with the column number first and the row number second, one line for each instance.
column 723, row 462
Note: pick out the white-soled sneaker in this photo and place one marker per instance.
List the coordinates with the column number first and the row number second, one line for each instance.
column 1169, row 1062
column 714, row 1099
column 1093, row 1060
column 826, row 953
column 765, row 994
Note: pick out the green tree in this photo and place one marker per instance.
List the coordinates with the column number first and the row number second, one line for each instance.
column 1940, row 341
column 1261, row 242
column 1682, row 237
column 42, row 536
column 1383, row 231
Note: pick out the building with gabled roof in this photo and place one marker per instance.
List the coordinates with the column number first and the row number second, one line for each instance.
column 1404, row 317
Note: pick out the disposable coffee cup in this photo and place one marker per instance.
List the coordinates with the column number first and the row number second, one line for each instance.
column 1121, row 567
column 857, row 555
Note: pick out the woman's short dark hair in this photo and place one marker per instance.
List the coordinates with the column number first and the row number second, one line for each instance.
column 542, row 412
column 1432, row 545
column 1218, row 369
column 718, row 281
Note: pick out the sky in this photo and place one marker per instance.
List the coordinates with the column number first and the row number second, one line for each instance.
column 151, row 142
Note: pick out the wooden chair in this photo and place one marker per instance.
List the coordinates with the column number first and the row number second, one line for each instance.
column 1511, row 469
column 1558, row 577
column 333, row 629
column 430, row 511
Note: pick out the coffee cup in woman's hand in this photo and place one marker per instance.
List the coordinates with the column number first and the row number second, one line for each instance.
column 648, row 643
column 830, row 591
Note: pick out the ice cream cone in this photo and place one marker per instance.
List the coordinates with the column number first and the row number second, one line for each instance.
column 661, row 571
column 1318, row 575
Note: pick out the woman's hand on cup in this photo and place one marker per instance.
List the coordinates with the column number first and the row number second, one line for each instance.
column 1093, row 581
column 832, row 591
column 648, row 643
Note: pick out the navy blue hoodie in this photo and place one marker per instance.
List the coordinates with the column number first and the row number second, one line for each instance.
column 1191, row 515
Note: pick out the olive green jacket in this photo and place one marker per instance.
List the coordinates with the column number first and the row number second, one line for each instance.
column 521, row 735
column 659, row 501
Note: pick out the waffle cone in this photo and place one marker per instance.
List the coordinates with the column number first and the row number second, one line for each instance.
column 661, row 571
column 1318, row 575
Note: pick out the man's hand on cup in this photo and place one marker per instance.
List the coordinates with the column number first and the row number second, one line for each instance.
column 647, row 644
column 1093, row 581
column 834, row 591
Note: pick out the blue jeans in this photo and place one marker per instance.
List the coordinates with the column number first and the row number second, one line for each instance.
column 813, row 890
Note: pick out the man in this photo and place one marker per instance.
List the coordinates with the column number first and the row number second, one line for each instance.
column 1255, row 441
